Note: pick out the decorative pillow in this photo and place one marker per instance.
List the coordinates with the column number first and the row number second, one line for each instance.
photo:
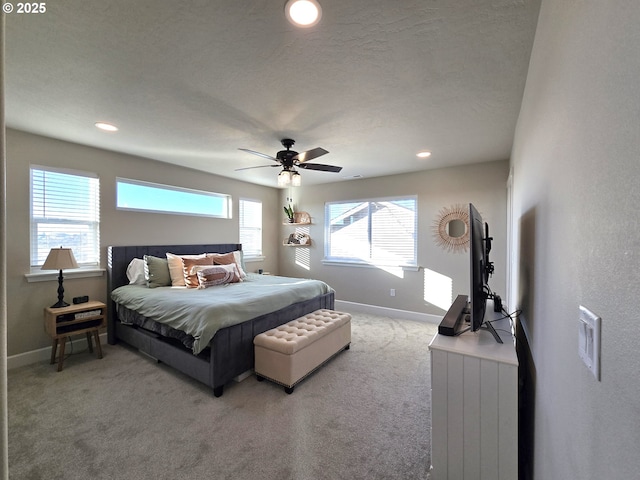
column 216, row 275
column 135, row 272
column 239, row 256
column 191, row 273
column 228, row 259
column 156, row 271
column 176, row 267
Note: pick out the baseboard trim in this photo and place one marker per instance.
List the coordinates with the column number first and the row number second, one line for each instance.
column 42, row 354
column 387, row 312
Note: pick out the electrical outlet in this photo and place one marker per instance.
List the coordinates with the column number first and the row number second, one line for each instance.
column 589, row 340
column 392, row 292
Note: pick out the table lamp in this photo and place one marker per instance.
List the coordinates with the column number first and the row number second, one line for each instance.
column 59, row 259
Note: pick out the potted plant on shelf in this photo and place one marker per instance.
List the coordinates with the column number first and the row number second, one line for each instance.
column 290, row 213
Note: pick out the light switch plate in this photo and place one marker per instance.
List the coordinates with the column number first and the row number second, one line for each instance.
column 589, row 340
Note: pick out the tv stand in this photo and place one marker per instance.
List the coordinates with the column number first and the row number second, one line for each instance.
column 456, row 320
column 474, row 404
column 488, row 326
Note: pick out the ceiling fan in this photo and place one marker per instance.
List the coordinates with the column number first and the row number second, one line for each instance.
column 289, row 160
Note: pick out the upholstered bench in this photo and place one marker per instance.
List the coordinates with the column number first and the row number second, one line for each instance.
column 290, row 352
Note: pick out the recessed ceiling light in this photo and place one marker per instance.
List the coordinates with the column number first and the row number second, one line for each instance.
column 303, row 13
column 107, row 127
column 423, row 154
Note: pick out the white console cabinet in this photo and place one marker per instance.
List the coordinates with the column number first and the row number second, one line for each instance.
column 474, row 405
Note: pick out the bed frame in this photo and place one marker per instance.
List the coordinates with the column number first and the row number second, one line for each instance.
column 230, row 352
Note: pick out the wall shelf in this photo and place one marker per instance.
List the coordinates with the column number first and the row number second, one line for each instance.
column 299, row 218
column 297, row 240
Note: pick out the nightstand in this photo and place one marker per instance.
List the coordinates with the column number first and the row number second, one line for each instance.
column 61, row 323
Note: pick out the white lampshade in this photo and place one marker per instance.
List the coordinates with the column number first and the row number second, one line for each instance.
column 284, row 178
column 60, row 259
column 296, row 179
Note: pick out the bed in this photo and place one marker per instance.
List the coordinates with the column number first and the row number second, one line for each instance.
column 228, row 354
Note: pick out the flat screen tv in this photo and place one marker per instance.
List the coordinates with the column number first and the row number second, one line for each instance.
column 480, row 271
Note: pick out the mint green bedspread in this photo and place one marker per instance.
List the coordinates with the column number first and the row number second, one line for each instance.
column 201, row 313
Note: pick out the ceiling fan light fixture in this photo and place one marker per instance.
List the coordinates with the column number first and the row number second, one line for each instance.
column 296, row 179
column 284, row 178
column 303, row 13
column 291, row 160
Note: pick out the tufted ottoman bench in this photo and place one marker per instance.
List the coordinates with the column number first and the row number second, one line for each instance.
column 290, row 352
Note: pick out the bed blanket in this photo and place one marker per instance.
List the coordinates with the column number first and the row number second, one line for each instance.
column 202, row 312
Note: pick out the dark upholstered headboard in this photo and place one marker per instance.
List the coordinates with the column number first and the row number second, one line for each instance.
column 118, row 259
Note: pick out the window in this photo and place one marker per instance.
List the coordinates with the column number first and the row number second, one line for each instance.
column 251, row 227
column 154, row 197
column 378, row 231
column 65, row 212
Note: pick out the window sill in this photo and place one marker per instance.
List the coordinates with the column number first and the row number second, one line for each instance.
column 49, row 275
column 343, row 263
column 260, row 258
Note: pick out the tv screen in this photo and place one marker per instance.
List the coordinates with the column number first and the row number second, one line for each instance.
column 472, row 308
column 479, row 273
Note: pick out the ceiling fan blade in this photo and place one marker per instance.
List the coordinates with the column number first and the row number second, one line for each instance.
column 257, row 166
column 320, row 167
column 310, row 154
column 263, row 155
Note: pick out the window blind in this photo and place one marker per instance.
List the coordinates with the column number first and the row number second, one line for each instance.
column 251, row 227
column 376, row 231
column 65, row 212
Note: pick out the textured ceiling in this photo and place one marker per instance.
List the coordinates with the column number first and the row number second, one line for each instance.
column 190, row 81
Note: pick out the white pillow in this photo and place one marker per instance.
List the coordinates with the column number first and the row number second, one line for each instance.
column 176, row 270
column 135, row 272
column 238, row 256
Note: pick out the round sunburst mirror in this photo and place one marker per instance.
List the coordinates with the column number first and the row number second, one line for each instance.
column 451, row 228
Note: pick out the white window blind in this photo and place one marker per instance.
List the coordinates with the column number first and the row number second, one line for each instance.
column 65, row 212
column 251, row 227
column 377, row 231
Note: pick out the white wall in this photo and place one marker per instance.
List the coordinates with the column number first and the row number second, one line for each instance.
column 26, row 300
column 4, row 423
column 484, row 185
column 577, row 237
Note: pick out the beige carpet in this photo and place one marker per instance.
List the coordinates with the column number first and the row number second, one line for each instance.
column 364, row 415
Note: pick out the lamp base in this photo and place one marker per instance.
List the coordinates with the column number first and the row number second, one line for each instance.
column 60, row 304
